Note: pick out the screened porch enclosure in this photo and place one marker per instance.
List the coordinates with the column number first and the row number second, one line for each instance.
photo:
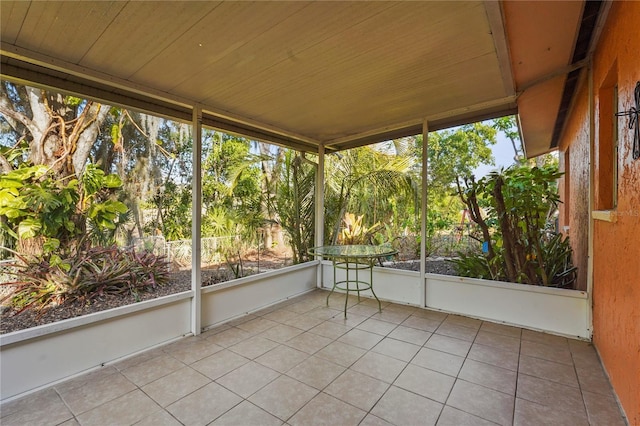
column 319, row 78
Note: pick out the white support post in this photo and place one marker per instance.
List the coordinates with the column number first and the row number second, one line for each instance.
column 319, row 208
column 423, row 214
column 196, row 218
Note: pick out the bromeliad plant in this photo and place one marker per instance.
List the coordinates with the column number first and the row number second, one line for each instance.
column 43, row 283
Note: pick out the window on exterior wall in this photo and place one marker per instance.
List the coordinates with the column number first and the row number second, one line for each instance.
column 606, row 189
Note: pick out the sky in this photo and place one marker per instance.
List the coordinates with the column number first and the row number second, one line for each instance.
column 502, row 153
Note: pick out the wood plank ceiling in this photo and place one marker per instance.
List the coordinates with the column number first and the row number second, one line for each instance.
column 338, row 73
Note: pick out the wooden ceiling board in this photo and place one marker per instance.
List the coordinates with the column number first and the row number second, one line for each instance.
column 316, row 71
column 541, row 35
column 66, row 30
column 310, row 27
column 350, row 55
column 382, row 67
column 220, row 33
column 133, row 39
column 334, row 117
column 11, row 17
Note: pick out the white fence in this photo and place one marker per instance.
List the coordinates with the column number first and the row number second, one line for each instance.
column 178, row 252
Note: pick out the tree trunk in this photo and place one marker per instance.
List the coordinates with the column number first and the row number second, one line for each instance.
column 508, row 241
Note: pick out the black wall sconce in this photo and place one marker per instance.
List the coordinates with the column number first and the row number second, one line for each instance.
column 633, row 113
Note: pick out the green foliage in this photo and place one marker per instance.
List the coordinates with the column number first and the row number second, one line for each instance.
column 519, row 203
column 294, row 201
column 42, row 283
column 34, row 205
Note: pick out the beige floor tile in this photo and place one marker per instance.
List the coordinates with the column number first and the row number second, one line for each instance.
column 555, row 353
column 359, row 309
column 204, row 405
column 219, row 364
column 316, row 372
column 125, row 410
column 529, row 413
column 428, row 313
column 308, row 342
column 361, row 339
column 551, row 394
column 379, row 366
column 494, row 356
column 281, row 333
column 176, row 385
column 253, row 347
column 282, row 359
column 371, row 420
column 490, row 376
column 424, row 382
column 376, row 326
column 304, row 322
column 391, row 315
column 257, row 325
column 439, row 361
column 242, row 319
column 324, row 312
column 421, row 323
column 248, row 379
column 153, row 369
column 507, row 343
column 229, row 337
column 303, row 306
column 160, row 418
column 396, row 349
column 448, row 344
column 457, row 331
column 99, row 375
column 191, row 351
column 341, row 353
column 505, row 330
column 40, row 408
column 357, row 389
column 283, row 397
column 602, row 410
column 74, row 422
column 324, row 409
column 482, row 402
column 594, row 380
column 549, row 370
column 453, row 417
column 330, row 330
column 138, row 359
column 351, row 321
column 281, row 315
column 410, row 335
column 464, row 321
column 401, row 407
column 545, row 338
column 247, row 414
column 96, row 393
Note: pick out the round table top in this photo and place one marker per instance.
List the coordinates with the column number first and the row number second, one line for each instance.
column 353, row 251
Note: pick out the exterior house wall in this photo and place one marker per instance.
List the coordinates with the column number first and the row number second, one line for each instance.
column 616, row 242
column 574, row 162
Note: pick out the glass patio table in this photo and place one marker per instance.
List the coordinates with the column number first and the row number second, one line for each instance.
column 353, row 259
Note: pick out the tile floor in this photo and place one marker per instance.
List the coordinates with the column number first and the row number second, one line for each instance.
column 302, row 363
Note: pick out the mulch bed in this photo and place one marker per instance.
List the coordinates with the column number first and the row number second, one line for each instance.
column 180, row 281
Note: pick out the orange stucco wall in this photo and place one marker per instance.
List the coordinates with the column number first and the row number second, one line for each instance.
column 574, row 162
column 616, row 261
